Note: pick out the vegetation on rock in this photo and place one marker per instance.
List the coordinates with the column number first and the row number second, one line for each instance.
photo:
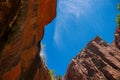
column 118, row 16
column 55, row 76
column 118, row 7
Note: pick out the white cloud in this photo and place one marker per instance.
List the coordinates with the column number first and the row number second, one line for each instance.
column 68, row 10
column 74, row 7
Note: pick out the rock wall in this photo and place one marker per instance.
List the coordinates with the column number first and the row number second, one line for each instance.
column 21, row 30
column 97, row 61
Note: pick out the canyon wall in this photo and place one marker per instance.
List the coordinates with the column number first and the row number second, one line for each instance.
column 97, row 61
column 22, row 25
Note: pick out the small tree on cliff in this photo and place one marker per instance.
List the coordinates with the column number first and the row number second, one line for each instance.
column 58, row 77
column 118, row 16
column 118, row 7
column 51, row 72
column 55, row 76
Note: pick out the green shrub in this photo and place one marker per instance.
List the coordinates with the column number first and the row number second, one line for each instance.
column 51, row 72
column 58, row 77
column 118, row 19
column 118, row 16
column 118, row 7
column 55, row 76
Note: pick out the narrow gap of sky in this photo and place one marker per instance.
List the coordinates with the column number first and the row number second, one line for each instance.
column 77, row 22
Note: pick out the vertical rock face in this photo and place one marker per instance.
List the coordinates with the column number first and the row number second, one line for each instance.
column 21, row 30
column 98, row 61
column 116, row 42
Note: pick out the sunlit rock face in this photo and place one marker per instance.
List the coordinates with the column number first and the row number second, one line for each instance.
column 97, row 61
column 116, row 42
column 21, row 30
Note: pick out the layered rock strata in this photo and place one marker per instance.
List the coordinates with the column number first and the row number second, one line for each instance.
column 97, row 61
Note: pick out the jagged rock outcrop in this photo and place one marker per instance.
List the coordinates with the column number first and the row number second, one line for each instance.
column 98, row 61
column 21, row 30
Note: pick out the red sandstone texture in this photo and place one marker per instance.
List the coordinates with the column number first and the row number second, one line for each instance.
column 98, row 61
column 21, row 30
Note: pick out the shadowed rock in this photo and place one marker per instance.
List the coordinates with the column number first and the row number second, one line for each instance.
column 21, row 30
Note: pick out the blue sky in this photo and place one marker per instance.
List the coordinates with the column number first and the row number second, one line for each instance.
column 77, row 22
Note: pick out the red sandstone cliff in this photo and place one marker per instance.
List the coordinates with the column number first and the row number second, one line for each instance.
column 98, row 61
column 21, row 30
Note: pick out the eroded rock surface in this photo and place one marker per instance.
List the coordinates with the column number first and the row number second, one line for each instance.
column 21, row 30
column 97, row 61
